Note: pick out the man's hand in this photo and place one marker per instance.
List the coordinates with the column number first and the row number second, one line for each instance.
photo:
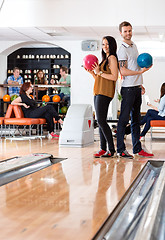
column 143, row 90
column 145, row 69
column 10, row 82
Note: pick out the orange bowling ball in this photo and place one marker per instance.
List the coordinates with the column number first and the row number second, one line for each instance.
column 56, row 98
column 45, row 98
column 6, row 98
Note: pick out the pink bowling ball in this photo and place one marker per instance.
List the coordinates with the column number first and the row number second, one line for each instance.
column 89, row 60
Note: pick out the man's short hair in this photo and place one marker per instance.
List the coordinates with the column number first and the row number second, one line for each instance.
column 124, row 24
column 15, row 68
column 64, row 69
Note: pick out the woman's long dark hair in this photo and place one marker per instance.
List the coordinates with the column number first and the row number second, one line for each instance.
column 112, row 50
column 162, row 90
column 42, row 80
column 25, row 86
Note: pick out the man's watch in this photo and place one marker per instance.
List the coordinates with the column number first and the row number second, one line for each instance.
column 100, row 73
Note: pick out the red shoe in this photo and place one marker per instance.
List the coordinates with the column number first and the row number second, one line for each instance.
column 125, row 154
column 109, row 154
column 142, row 153
column 54, row 135
column 99, row 153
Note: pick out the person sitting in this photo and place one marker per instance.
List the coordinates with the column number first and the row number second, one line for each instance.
column 65, row 80
column 16, row 80
column 30, row 109
column 156, row 113
column 41, row 79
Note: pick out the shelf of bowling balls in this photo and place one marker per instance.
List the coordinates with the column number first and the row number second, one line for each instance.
column 48, row 65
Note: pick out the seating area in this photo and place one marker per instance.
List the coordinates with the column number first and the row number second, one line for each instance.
column 14, row 123
column 156, row 123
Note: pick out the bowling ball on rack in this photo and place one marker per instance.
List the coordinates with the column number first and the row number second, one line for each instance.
column 89, row 60
column 13, row 97
column 45, row 98
column 56, row 98
column 64, row 109
column 6, row 98
column 144, row 60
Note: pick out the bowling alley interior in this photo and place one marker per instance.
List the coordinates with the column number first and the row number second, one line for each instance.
column 52, row 185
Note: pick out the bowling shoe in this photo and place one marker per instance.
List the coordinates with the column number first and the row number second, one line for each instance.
column 109, row 154
column 125, row 154
column 53, row 135
column 99, row 153
column 142, row 153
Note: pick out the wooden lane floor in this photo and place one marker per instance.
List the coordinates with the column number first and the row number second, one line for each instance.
column 68, row 200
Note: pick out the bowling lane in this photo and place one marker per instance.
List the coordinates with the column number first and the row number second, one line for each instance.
column 68, row 200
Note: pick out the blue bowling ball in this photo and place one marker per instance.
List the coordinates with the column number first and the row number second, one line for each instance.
column 144, row 60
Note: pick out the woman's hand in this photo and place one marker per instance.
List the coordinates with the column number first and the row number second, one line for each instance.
column 152, row 106
column 60, row 121
column 157, row 100
column 52, row 81
column 26, row 106
column 90, row 71
column 96, row 68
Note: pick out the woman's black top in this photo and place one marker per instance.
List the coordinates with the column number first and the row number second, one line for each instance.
column 29, row 102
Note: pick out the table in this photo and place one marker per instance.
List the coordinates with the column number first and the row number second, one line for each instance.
column 36, row 86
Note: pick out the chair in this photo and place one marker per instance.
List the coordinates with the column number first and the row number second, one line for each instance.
column 20, row 120
column 19, row 114
column 1, row 124
column 156, row 123
column 9, row 113
column 56, row 125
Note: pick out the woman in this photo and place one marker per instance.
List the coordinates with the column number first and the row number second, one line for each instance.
column 30, row 109
column 41, row 79
column 155, row 113
column 105, row 75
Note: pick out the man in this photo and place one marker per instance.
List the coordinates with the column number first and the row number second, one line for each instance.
column 131, row 93
column 15, row 80
column 65, row 80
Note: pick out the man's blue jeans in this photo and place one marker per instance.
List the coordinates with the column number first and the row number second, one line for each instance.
column 130, row 106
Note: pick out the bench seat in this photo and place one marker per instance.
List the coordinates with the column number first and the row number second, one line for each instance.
column 156, row 123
